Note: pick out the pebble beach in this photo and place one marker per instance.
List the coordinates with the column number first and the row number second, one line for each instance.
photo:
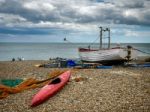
column 120, row 89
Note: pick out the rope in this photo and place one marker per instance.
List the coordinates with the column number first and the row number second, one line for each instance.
column 30, row 83
column 94, row 41
column 141, row 51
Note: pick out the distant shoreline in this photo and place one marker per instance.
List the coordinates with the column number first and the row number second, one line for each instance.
column 66, row 43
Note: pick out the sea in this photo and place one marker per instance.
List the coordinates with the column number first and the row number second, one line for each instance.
column 45, row 51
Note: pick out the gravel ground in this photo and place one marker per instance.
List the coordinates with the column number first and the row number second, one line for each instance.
column 100, row 90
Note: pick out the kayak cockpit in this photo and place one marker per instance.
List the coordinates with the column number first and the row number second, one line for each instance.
column 55, row 81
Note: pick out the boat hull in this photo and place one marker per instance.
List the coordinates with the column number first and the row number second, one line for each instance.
column 114, row 55
column 50, row 89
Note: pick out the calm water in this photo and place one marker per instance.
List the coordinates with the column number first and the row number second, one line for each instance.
column 44, row 51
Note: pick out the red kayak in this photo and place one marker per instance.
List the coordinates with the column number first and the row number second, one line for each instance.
column 51, row 89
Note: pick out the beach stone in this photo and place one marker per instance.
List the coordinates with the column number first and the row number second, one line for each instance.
column 114, row 90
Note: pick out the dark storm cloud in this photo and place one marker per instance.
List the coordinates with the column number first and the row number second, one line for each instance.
column 16, row 7
column 129, row 3
column 33, row 13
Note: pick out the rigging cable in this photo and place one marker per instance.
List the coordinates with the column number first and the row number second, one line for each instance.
column 94, row 41
column 141, row 51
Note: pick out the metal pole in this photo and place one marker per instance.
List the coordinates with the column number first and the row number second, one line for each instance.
column 100, row 47
column 108, row 38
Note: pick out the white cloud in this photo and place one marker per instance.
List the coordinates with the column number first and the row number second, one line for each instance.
column 141, row 34
column 2, row 1
column 131, row 34
column 73, row 14
column 10, row 19
column 78, row 18
column 39, row 6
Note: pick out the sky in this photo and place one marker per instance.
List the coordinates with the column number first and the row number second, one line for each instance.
column 76, row 20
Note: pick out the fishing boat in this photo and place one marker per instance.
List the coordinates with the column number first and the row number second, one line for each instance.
column 115, row 55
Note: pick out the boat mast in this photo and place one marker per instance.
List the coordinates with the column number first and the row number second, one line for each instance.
column 101, row 37
column 101, row 29
column 108, row 38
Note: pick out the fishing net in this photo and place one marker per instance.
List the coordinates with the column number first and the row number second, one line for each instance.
column 11, row 82
column 30, row 83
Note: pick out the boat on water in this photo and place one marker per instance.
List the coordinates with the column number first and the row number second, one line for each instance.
column 115, row 55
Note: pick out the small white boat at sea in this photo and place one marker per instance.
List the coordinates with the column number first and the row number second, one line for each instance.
column 111, row 55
